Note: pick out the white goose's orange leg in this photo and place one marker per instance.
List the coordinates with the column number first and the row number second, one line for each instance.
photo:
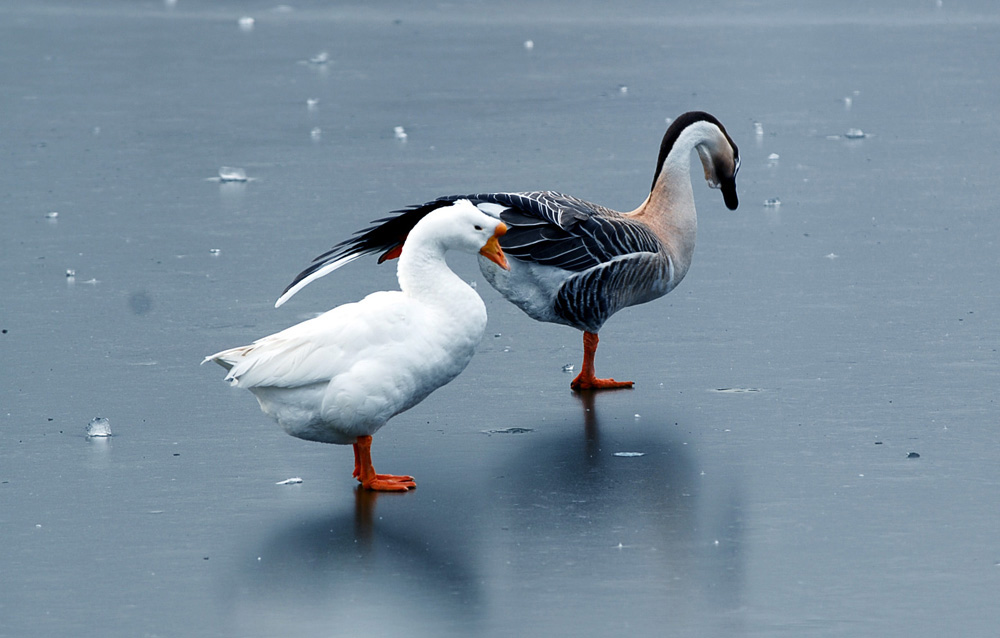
column 357, row 463
column 587, row 379
column 365, row 473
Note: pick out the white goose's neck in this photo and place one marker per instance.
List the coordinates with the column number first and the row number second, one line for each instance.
column 669, row 210
column 424, row 274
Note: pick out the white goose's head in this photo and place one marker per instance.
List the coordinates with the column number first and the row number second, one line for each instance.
column 719, row 154
column 461, row 226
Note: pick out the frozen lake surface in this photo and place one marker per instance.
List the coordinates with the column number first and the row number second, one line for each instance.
column 815, row 432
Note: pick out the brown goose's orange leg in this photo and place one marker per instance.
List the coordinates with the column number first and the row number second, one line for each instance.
column 587, row 379
column 365, row 473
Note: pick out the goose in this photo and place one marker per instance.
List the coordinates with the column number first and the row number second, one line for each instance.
column 573, row 262
column 339, row 377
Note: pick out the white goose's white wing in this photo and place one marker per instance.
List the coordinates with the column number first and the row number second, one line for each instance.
column 322, row 348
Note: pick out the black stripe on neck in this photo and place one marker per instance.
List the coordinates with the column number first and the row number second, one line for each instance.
column 674, row 131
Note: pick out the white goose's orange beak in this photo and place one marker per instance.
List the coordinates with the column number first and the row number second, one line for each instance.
column 492, row 250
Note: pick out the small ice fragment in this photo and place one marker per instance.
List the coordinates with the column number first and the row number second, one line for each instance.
column 292, row 481
column 320, row 58
column 312, row 104
column 848, row 102
column 473, row 284
column 569, row 367
column 99, row 427
column 758, row 129
column 497, row 335
column 855, row 134
column 52, row 216
column 773, row 157
column 638, row 416
column 913, row 455
column 773, row 202
column 232, row 174
column 832, row 256
column 622, row 89
column 215, row 251
column 246, row 23
column 316, row 134
column 400, row 133
column 629, row 455
column 70, row 273
column 509, row 431
column 529, row 45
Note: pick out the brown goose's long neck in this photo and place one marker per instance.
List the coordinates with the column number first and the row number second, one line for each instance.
column 669, row 210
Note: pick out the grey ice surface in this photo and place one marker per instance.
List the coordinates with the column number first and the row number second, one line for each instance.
column 812, row 348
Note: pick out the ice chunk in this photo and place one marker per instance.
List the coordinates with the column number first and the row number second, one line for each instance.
column 312, row 104
column 53, row 216
column 529, row 44
column 246, row 23
column 232, row 174
column 773, row 157
column 848, row 102
column 568, row 367
column 70, row 273
column 320, row 58
column 292, row 481
column 629, row 455
column 400, row 133
column 215, row 251
column 99, row 426
column 622, row 89
column 855, row 134
column 758, row 129
column 316, row 134
column 514, row 430
column 773, row 202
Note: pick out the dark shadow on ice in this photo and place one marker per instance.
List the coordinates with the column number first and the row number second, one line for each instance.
column 355, row 572
column 627, row 507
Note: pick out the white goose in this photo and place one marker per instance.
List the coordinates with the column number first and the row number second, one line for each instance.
column 574, row 262
column 339, row 377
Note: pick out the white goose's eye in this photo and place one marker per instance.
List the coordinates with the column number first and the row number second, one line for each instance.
column 478, row 227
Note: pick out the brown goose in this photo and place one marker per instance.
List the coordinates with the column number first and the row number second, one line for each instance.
column 574, row 262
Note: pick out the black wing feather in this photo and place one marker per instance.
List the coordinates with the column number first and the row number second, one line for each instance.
column 545, row 227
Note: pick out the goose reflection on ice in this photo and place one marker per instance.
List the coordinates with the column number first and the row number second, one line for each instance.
column 598, row 543
column 357, row 574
